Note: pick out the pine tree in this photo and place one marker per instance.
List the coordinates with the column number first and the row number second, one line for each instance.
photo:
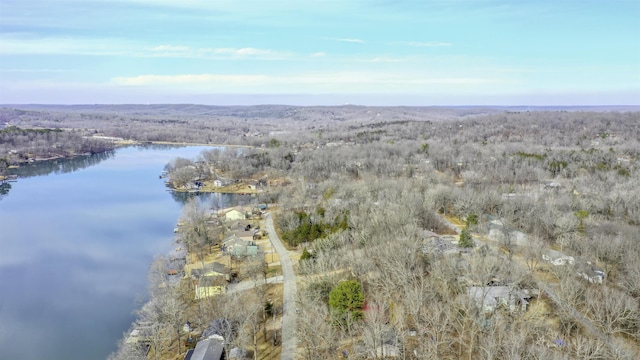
column 466, row 240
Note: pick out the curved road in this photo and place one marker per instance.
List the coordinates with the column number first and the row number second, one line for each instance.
column 289, row 339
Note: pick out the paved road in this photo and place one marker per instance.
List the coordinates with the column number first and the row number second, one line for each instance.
column 250, row 284
column 289, row 339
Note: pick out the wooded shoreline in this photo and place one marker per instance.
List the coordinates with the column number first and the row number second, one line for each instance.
column 546, row 203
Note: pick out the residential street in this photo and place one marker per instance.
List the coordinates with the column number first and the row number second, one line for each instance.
column 289, row 339
column 250, row 284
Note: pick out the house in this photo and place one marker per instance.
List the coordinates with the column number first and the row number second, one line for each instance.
column 208, row 349
column 221, row 182
column 234, row 214
column 387, row 351
column 590, row 273
column 489, row 298
column 236, row 246
column 253, row 184
column 212, row 268
column 438, row 245
column 240, row 227
column 552, row 185
column 189, row 354
column 498, row 231
column 557, row 258
column 211, row 284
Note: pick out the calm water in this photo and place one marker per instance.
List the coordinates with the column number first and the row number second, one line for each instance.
column 75, row 246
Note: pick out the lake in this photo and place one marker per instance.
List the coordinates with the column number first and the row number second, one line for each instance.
column 76, row 240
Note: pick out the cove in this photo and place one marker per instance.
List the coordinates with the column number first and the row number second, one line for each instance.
column 76, row 240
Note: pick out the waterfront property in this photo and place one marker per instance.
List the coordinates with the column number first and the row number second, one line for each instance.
column 210, row 284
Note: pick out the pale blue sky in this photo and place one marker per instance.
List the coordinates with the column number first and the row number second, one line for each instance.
column 378, row 52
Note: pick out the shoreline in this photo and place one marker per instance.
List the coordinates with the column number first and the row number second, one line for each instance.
column 182, row 272
column 118, row 143
column 137, row 142
column 208, row 187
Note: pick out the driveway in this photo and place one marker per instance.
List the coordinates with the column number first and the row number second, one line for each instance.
column 289, row 339
column 250, row 284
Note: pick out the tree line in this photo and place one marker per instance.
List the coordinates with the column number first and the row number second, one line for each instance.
column 20, row 145
column 566, row 179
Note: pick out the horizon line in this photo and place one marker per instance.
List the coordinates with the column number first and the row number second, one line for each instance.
column 325, row 105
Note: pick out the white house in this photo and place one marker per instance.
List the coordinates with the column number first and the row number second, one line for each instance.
column 491, row 297
column 587, row 271
column 557, row 258
column 234, row 214
column 221, row 182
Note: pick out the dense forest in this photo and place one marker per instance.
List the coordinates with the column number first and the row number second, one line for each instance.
column 546, row 201
column 22, row 145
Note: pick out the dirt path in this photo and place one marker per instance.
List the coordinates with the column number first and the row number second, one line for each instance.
column 289, row 339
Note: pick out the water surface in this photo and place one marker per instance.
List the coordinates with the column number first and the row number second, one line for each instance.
column 76, row 240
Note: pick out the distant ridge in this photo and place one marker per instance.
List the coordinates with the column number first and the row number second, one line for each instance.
column 195, row 108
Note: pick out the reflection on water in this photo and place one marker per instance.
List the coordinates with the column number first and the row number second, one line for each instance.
column 213, row 201
column 61, row 166
column 4, row 189
column 75, row 247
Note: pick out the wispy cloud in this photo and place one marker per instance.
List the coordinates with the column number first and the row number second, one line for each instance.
column 388, row 59
column 170, row 48
column 23, row 45
column 215, row 53
column 265, row 53
column 427, row 43
column 222, row 53
column 189, row 79
column 32, row 70
column 347, row 40
column 304, row 82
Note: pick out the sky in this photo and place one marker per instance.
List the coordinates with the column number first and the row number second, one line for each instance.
column 321, row 52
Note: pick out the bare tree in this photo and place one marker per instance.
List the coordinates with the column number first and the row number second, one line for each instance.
column 614, row 311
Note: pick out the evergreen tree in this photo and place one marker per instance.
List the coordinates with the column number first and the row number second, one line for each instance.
column 466, row 240
column 346, row 299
